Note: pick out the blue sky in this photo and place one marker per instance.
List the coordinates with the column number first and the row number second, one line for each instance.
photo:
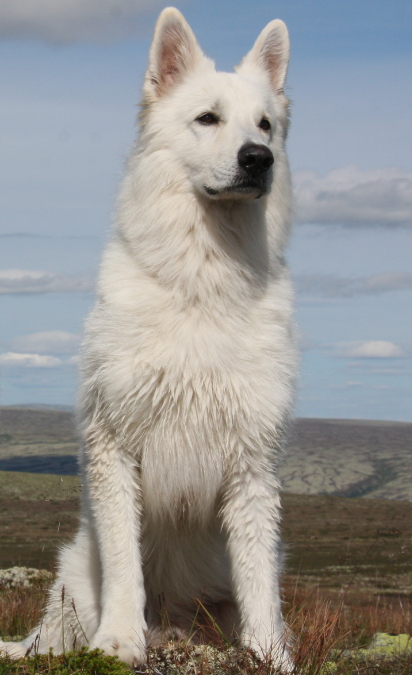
column 71, row 74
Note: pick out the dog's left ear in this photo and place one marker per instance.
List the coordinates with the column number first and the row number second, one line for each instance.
column 270, row 52
column 174, row 53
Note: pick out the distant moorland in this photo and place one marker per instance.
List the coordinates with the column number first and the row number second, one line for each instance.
column 328, row 539
column 347, row 567
column 347, row 458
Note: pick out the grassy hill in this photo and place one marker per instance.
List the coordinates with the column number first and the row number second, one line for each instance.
column 348, row 458
column 327, row 539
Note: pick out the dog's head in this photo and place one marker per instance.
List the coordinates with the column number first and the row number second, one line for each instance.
column 226, row 129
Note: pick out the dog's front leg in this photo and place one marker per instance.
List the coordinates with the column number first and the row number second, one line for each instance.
column 115, row 501
column 251, row 519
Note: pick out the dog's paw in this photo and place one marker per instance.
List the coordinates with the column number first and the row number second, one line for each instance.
column 270, row 651
column 130, row 651
column 277, row 659
column 280, row 660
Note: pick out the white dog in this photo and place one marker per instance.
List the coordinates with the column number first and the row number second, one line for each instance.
column 188, row 368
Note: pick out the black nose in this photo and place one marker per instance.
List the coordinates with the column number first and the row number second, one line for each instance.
column 255, row 158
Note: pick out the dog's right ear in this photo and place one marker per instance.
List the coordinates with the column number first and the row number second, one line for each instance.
column 174, row 53
column 271, row 53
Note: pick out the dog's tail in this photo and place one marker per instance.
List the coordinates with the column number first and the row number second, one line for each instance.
column 16, row 650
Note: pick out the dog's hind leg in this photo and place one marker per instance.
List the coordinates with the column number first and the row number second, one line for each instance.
column 72, row 612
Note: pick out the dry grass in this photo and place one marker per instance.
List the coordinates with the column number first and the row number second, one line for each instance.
column 356, row 614
column 324, row 625
column 20, row 610
column 322, row 621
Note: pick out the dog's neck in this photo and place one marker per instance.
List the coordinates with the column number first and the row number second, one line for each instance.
column 193, row 245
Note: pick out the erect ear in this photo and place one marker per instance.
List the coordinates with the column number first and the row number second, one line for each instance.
column 270, row 52
column 174, row 53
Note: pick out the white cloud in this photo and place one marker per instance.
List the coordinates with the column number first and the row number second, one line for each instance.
column 389, row 371
column 50, row 342
column 330, row 286
column 13, row 360
column 67, row 21
column 14, row 281
column 305, row 343
column 374, row 349
column 351, row 384
column 390, row 281
column 355, row 198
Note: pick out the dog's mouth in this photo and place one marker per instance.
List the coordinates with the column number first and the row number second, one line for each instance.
column 252, row 189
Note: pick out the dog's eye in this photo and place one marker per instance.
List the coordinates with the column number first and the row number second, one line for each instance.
column 264, row 124
column 208, row 119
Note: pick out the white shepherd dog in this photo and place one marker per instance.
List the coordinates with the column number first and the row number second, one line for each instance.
column 188, row 368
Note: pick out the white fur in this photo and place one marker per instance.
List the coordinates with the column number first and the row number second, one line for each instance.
column 188, row 371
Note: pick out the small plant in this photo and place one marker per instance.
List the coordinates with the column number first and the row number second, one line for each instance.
column 82, row 662
column 24, row 577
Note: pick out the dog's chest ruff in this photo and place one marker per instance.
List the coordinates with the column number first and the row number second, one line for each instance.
column 187, row 409
column 189, row 393
column 183, row 429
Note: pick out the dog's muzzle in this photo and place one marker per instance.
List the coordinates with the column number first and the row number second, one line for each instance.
column 254, row 161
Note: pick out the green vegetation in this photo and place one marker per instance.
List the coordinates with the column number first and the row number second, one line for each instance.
column 330, row 540
column 183, row 660
column 38, row 486
column 38, row 512
column 73, row 663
